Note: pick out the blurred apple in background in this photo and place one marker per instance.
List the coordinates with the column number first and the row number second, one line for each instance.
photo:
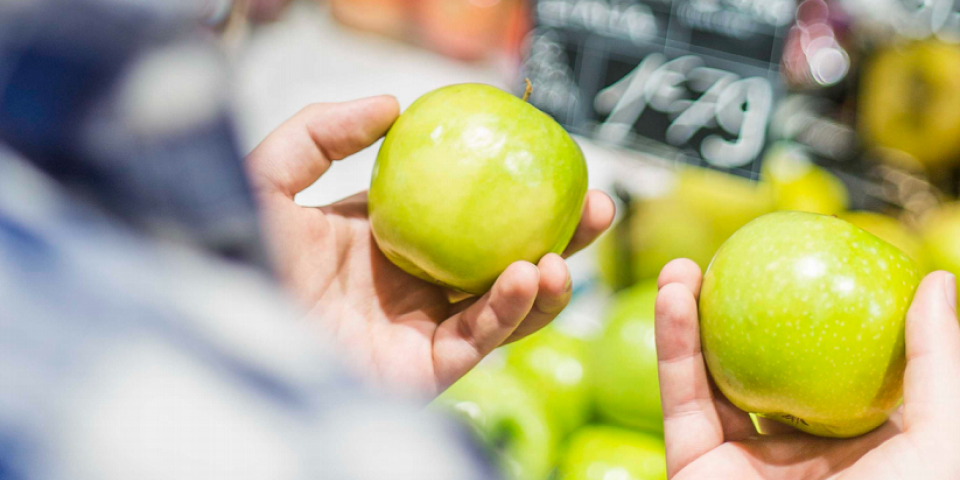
column 465, row 29
column 508, row 418
column 601, row 452
column 800, row 185
column 663, row 229
column 471, row 179
column 386, row 17
column 802, row 321
column 650, row 234
column 624, row 361
column 726, row 201
column 703, row 208
column 909, row 101
column 940, row 232
column 890, row 230
column 554, row 364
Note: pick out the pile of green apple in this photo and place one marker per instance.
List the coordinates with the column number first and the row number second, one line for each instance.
column 802, row 321
column 561, row 404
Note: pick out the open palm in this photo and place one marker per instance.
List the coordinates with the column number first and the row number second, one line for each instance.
column 400, row 331
column 708, row 437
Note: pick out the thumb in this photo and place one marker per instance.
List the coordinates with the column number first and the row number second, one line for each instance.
column 932, row 377
column 297, row 153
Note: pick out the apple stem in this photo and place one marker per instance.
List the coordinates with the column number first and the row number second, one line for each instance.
column 529, row 89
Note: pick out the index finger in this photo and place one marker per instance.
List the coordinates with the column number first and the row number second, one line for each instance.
column 598, row 212
column 691, row 422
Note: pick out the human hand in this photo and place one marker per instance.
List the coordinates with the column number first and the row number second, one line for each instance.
column 708, row 437
column 402, row 331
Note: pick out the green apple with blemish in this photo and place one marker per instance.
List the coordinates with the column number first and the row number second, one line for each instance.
column 802, row 321
column 470, row 179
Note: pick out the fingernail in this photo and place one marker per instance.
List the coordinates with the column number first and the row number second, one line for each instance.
column 950, row 284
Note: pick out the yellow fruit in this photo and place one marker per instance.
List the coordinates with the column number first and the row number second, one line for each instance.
column 799, row 185
column 910, row 101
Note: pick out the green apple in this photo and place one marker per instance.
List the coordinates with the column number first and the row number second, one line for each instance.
column 554, row 363
column 613, row 257
column 601, row 452
column 470, row 179
column 507, row 417
column 802, row 321
column 624, row 366
column 726, row 201
column 656, row 232
column 889, row 229
column 703, row 209
column 941, row 238
column 800, row 185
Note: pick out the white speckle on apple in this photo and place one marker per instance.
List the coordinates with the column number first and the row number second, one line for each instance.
column 518, row 162
column 845, row 285
column 811, row 267
column 483, row 141
column 437, row 134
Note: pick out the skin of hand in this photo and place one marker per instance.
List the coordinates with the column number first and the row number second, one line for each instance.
column 399, row 331
column 707, row 437
column 265, row 10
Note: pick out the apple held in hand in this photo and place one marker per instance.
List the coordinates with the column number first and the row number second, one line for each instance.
column 470, row 179
column 507, row 417
column 802, row 321
column 624, row 366
column 600, row 452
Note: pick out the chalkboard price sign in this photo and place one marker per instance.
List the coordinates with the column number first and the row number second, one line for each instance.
column 690, row 80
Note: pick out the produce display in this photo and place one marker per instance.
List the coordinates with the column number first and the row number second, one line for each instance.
column 814, row 187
